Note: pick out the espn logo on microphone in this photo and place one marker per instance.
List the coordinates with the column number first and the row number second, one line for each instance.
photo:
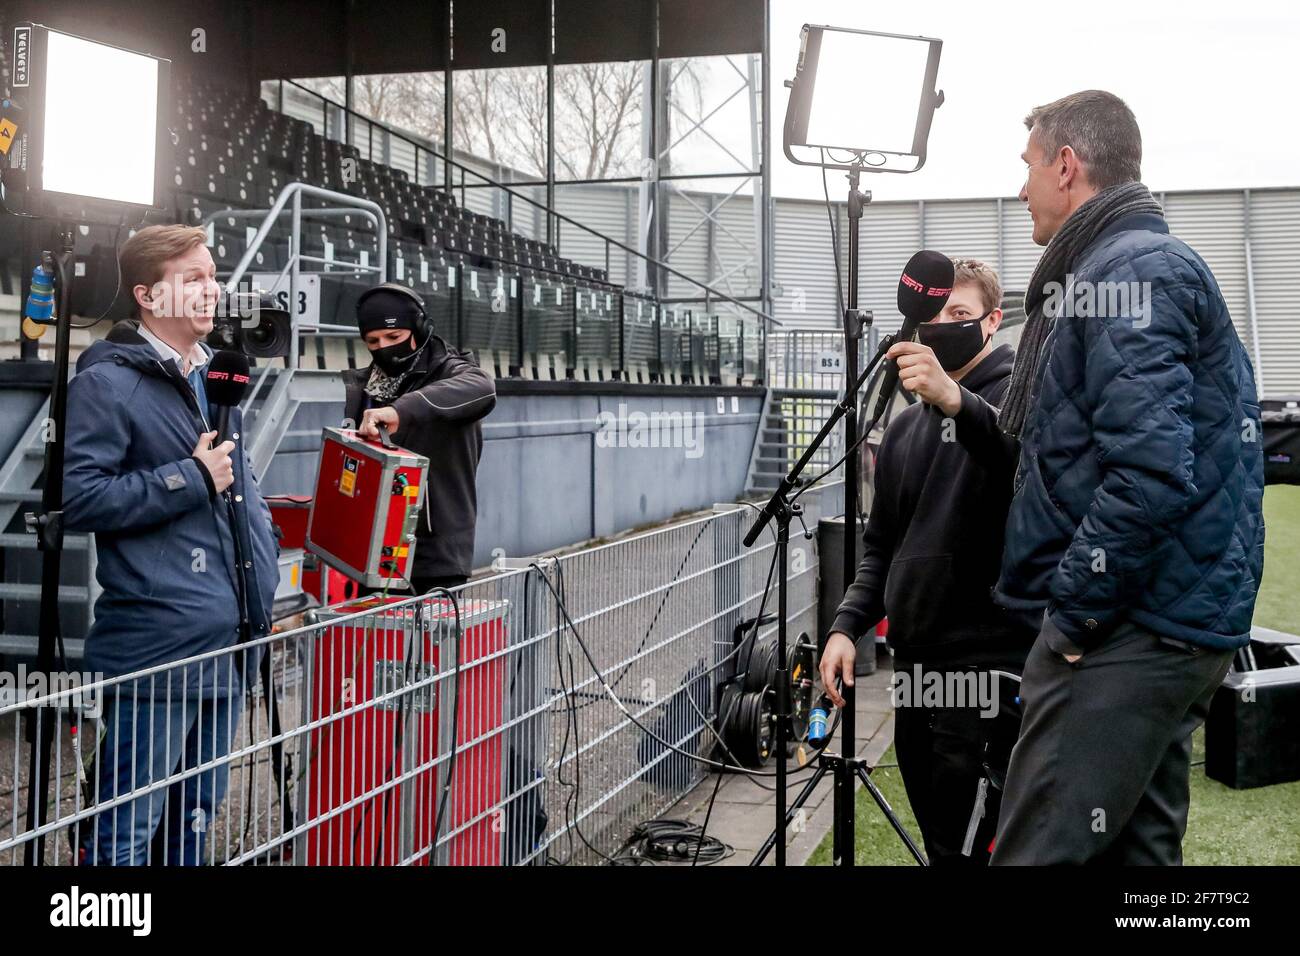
column 915, row 286
column 217, row 375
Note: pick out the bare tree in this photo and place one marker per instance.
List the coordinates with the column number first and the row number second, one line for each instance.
column 500, row 115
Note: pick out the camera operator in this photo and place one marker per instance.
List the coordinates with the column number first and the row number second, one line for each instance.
column 142, row 475
column 431, row 398
column 931, row 552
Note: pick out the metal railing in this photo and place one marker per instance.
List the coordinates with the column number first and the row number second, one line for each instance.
column 537, row 715
column 292, row 196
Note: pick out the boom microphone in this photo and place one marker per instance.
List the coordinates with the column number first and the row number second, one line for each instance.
column 923, row 290
column 226, row 382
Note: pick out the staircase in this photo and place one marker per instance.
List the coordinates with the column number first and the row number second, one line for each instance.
column 790, row 419
column 20, row 587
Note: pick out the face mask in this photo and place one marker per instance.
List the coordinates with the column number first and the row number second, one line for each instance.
column 954, row 343
column 397, row 359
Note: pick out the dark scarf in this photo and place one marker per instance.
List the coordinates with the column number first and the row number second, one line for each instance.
column 383, row 388
column 1074, row 237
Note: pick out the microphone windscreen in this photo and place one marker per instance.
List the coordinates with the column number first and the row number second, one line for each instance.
column 925, row 285
column 227, row 379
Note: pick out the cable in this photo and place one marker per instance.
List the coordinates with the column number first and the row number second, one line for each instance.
column 117, row 290
column 455, row 718
column 627, row 668
column 866, row 433
column 575, row 796
column 671, row 841
column 835, row 245
column 623, row 707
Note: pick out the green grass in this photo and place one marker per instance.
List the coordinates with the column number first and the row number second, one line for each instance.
column 1278, row 605
column 1224, row 826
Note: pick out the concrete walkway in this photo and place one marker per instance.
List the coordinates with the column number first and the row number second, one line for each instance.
column 745, row 812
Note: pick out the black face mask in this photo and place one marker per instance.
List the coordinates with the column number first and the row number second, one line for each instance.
column 396, row 359
column 954, row 343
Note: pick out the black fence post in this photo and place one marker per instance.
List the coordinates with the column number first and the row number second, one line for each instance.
column 621, row 371
column 516, row 370
column 658, row 374
column 460, row 305
column 571, row 366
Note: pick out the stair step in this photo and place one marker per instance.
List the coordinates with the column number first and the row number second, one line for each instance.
column 27, row 542
column 32, row 592
column 30, row 497
column 24, row 645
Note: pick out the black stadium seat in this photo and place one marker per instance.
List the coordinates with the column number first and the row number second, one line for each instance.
column 235, row 152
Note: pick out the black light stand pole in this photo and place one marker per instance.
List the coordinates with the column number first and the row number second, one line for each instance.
column 781, row 706
column 843, row 827
column 846, row 769
column 47, row 524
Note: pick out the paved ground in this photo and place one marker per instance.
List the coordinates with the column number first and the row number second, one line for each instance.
column 745, row 813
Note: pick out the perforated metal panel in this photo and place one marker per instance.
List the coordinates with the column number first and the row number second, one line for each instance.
column 602, row 208
column 804, row 271
column 891, row 234
column 1275, row 255
column 1214, row 225
column 1019, row 251
column 966, row 230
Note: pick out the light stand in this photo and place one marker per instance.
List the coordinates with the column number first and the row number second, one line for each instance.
column 47, row 524
column 844, row 767
column 885, row 51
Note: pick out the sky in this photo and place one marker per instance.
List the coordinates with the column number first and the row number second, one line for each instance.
column 1214, row 86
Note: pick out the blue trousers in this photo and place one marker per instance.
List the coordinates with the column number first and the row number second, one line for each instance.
column 148, row 741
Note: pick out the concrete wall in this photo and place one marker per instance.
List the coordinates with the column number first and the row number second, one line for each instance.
column 562, row 464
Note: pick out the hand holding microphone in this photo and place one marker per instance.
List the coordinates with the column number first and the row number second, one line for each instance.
column 216, row 460
column 226, row 382
column 920, row 372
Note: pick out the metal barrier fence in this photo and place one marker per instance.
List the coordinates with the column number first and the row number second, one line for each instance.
column 812, row 358
column 474, row 727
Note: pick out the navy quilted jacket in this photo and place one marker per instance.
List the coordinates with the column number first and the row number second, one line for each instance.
column 1141, row 467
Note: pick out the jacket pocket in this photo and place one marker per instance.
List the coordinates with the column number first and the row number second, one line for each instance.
column 931, row 599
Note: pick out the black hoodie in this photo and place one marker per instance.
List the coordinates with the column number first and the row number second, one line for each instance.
column 932, row 546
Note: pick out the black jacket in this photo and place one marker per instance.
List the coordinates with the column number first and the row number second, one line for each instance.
column 933, row 543
column 439, row 409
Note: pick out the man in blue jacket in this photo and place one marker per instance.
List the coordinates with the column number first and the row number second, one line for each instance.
column 169, row 513
column 1135, row 533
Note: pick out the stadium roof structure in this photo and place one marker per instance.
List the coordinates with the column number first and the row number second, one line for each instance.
column 268, row 39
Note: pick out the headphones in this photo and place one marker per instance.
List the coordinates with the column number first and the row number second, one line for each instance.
column 423, row 328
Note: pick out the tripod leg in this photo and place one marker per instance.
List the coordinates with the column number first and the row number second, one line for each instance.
column 798, row 803
column 890, row 815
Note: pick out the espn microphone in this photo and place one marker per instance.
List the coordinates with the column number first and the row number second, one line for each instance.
column 923, row 290
column 226, row 382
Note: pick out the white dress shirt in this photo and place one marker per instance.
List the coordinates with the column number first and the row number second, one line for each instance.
column 196, row 359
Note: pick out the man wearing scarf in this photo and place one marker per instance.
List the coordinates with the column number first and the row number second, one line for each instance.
column 431, row 398
column 1135, row 534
